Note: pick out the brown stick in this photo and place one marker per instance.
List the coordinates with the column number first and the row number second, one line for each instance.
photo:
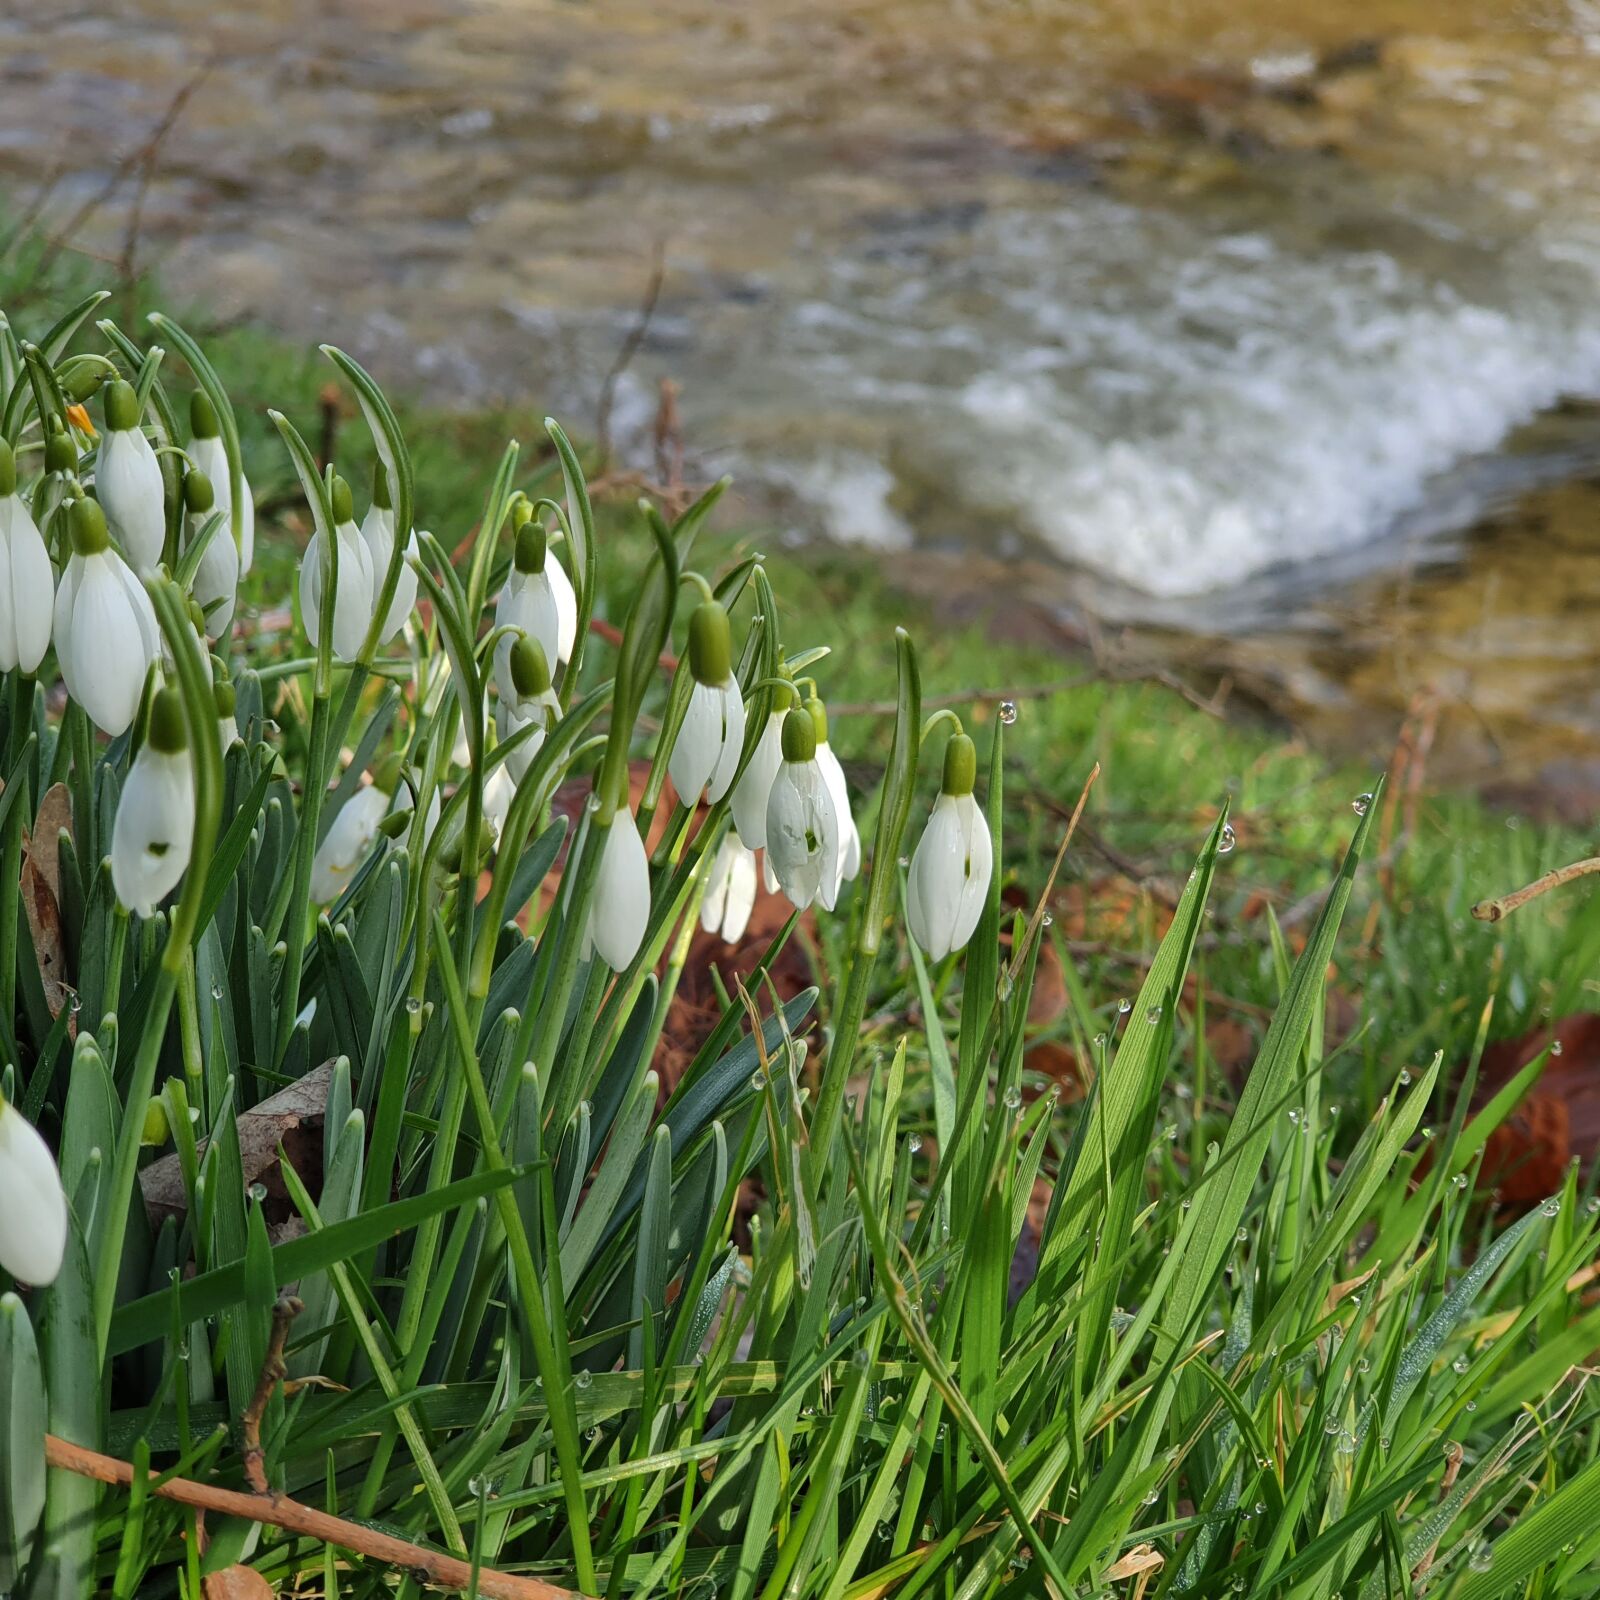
column 279, row 1511
column 1494, row 910
column 272, row 1373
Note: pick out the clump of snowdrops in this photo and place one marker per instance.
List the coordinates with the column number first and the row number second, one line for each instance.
column 535, row 1329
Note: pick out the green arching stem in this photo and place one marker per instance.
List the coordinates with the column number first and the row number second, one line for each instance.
column 698, row 581
column 943, row 714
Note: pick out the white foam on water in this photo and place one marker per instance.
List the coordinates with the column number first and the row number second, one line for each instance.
column 1177, row 410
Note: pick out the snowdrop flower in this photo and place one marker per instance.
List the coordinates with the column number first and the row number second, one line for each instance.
column 711, row 740
column 498, row 793
column 33, row 1205
column 27, row 580
column 154, row 828
column 620, row 909
column 833, row 776
column 532, row 702
column 352, row 603
column 527, row 604
column 730, row 894
column 377, row 533
column 127, row 482
column 951, row 866
column 344, row 846
column 105, row 627
column 216, row 579
column 802, row 824
column 208, row 453
column 751, row 792
column 227, row 724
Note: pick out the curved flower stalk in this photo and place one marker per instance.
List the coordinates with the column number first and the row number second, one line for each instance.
column 227, row 724
column 210, row 455
column 352, row 603
column 527, row 605
column 620, row 910
column 802, row 824
column 833, row 776
column 711, row 740
column 532, row 702
column 377, row 533
column 730, row 894
column 33, row 1205
column 216, row 579
column 951, row 866
column 27, row 580
column 753, row 788
column 127, row 481
column 105, row 627
column 153, row 833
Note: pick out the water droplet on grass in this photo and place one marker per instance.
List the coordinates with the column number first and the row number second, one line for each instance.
column 1550, row 1208
column 582, row 1379
column 1360, row 804
column 1555, row 1047
column 1008, row 712
column 1228, row 840
column 1482, row 1558
column 1124, row 1006
column 1153, row 1015
column 914, row 1143
column 1013, row 1098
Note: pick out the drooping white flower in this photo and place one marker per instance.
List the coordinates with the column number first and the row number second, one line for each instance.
column 620, row 910
column 216, row 579
column 711, row 740
column 802, row 825
column 833, row 776
column 730, row 894
column 27, row 580
column 498, row 793
column 532, row 702
column 527, row 605
column 153, row 832
column 352, row 604
column 33, row 1205
column 127, row 482
column 344, row 846
column 951, row 866
column 210, row 455
column 377, row 533
column 566, row 607
column 755, row 784
column 105, row 627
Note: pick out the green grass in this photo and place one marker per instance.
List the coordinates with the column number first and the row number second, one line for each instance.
column 1275, row 1344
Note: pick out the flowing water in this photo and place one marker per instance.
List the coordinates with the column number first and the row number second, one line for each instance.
column 1269, row 332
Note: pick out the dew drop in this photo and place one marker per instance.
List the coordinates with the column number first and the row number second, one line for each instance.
column 1592, row 1204
column 1331, row 1426
column 1294, row 1114
column 1460, row 1180
column 1555, row 1047
column 217, row 991
column 1242, row 1235
column 1384, row 1444
column 1472, row 1405
column 1363, row 1365
column 1460, row 1364
column 758, row 1080
column 258, row 1193
column 1261, row 1508
column 914, row 1143
column 1008, row 712
column 1360, row 804
column 1170, row 1132
column 1550, row 1208
column 1124, row 1006
column 592, row 803
column 1153, row 1015
column 413, row 1005
column 1013, row 1098
column 1482, row 1558
column 1099, row 1041
column 1049, row 919
column 582, row 1380
column 1405, row 1077
column 1227, row 840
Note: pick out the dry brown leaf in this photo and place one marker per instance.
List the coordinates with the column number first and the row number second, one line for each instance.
column 237, row 1583
column 41, row 898
column 292, row 1118
column 1142, row 1558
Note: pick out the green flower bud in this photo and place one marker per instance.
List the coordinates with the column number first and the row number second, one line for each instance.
column 819, row 718
column 521, row 515
column 397, row 824
column 60, row 453
column 223, row 697
column 799, row 736
column 197, row 616
column 710, row 644
column 960, row 765
column 80, row 378
column 380, row 487
column 203, row 422
column 386, row 775
column 155, row 1132
column 8, row 470
column 122, row 407
column 168, row 734
column 531, row 545
column 530, row 671
column 344, row 503
column 88, row 524
column 198, row 495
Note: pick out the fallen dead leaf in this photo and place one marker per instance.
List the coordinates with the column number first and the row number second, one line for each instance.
column 1142, row 1558
column 291, row 1118
column 41, row 898
column 237, row 1583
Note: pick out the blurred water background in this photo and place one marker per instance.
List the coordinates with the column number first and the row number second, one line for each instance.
column 1257, row 339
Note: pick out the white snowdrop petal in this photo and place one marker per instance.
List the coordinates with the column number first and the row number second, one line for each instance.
column 731, row 734
column 699, row 744
column 153, row 832
column 107, row 651
column 28, row 584
column 978, row 863
column 526, row 604
column 803, row 834
column 620, row 911
column 949, row 876
column 216, row 580
column 127, row 479
column 751, row 792
column 566, row 603
column 33, row 1205
column 730, row 894
column 346, row 842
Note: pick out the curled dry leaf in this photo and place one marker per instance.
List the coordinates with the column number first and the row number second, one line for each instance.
column 41, row 898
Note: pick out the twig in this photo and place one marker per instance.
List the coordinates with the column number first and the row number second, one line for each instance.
column 630, row 348
column 273, row 1373
column 279, row 1511
column 1494, row 910
column 669, row 437
column 328, row 409
column 1034, row 691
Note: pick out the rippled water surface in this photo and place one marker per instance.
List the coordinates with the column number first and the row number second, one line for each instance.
column 1264, row 321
